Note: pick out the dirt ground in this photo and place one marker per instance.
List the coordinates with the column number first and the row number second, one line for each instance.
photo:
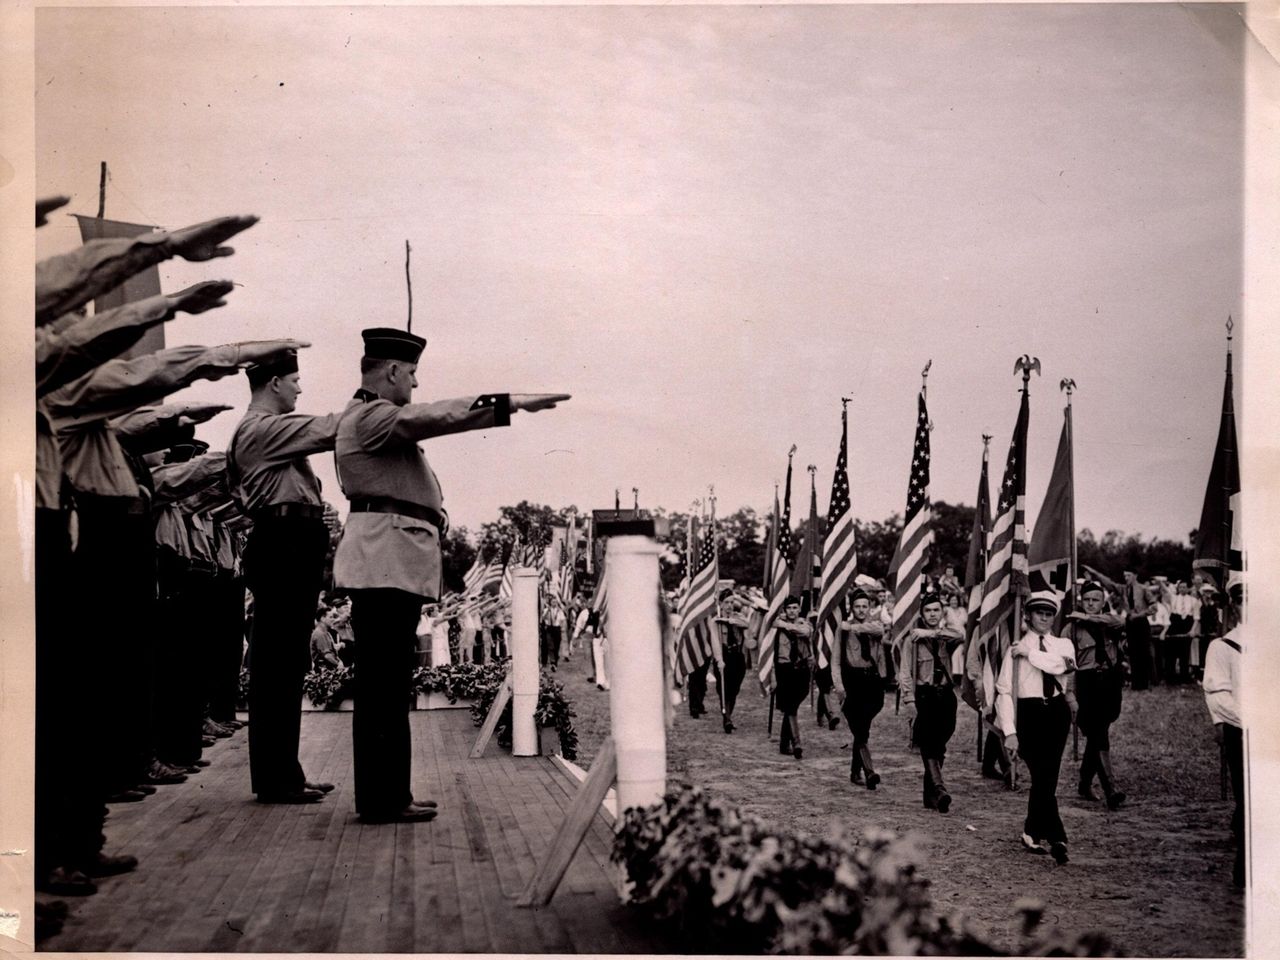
column 1155, row 875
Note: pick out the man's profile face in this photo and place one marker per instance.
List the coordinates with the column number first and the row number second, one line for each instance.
column 402, row 378
column 289, row 388
column 861, row 608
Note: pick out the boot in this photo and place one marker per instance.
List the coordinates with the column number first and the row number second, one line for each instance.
column 1115, row 796
column 1085, row 788
column 855, row 768
column 930, row 791
column 942, row 797
column 784, row 737
column 873, row 778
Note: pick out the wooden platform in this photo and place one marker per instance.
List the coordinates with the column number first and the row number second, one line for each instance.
column 220, row 872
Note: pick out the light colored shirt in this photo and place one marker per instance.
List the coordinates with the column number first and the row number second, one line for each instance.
column 1056, row 660
column 849, row 643
column 267, row 457
column 918, row 664
column 67, row 352
column 1222, row 679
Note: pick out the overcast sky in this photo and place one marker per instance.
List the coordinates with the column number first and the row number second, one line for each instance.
column 705, row 223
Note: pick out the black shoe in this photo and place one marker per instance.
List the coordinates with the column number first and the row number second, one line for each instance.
column 127, row 796
column 1058, row 850
column 1114, row 799
column 798, row 753
column 833, row 723
column 410, row 814
column 873, row 781
column 855, row 777
column 322, row 787
column 201, row 762
column 109, row 866
column 1034, row 846
column 992, row 773
column 1085, row 792
column 424, row 804
column 304, row 795
column 64, row 882
column 146, row 788
column 944, row 802
column 786, row 751
column 728, row 725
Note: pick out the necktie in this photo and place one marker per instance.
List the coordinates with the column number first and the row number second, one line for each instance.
column 865, row 643
column 1100, row 649
column 1049, row 686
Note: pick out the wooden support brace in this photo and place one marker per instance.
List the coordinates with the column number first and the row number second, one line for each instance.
column 542, row 886
column 491, row 721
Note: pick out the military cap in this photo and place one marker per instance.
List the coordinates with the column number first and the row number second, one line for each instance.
column 280, row 365
column 388, row 343
column 928, row 598
column 1091, row 586
column 858, row 594
column 1042, row 599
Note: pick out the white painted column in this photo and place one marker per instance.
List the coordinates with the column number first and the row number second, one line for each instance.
column 635, row 666
column 524, row 662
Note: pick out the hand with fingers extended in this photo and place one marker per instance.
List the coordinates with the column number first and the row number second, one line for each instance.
column 203, row 241
column 537, row 401
column 256, row 351
column 201, row 296
column 193, row 413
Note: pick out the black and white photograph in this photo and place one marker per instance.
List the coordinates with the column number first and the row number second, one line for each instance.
column 618, row 479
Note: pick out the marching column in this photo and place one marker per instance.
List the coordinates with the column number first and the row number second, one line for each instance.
column 524, row 662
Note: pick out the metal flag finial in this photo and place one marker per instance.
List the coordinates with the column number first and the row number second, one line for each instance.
column 635, row 497
column 1069, row 386
column 1025, row 364
column 792, row 452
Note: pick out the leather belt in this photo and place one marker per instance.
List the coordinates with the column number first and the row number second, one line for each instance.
column 309, row 511
column 401, row 507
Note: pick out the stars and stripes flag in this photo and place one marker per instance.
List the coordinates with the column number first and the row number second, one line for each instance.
column 907, row 566
column 507, row 585
column 1007, row 548
column 565, row 578
column 779, row 588
column 839, row 552
column 973, row 687
column 492, row 575
column 600, row 600
column 697, row 607
column 471, row 579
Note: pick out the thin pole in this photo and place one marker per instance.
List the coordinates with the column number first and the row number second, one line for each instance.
column 1069, row 386
column 408, row 283
column 102, row 191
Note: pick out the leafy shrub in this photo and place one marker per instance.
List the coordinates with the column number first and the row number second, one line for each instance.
column 553, row 709
column 731, row 883
column 459, row 681
column 328, row 686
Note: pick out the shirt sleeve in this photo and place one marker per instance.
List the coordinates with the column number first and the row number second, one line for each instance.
column 387, row 424
column 119, row 386
column 72, row 279
column 65, row 354
column 1006, row 718
column 1058, row 657
column 907, row 668
column 1219, row 684
column 177, row 481
column 284, row 437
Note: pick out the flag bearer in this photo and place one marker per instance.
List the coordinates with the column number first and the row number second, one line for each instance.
column 1097, row 637
column 1038, row 721
column 857, row 671
column 794, row 659
column 928, row 694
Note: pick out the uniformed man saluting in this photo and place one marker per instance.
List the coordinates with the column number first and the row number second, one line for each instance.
column 284, row 567
column 389, row 557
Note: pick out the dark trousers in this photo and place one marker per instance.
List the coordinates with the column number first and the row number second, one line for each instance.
column 1233, row 748
column 69, row 810
column 1099, row 694
column 864, row 698
column 935, row 720
column 696, row 686
column 550, row 645
column 181, row 639
column 735, row 668
column 385, row 623
column 1138, row 635
column 284, row 567
column 793, row 687
column 1177, row 653
column 226, row 649
column 115, row 577
column 822, row 683
column 1042, row 735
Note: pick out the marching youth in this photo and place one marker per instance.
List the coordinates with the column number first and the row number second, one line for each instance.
column 857, row 672
column 928, row 694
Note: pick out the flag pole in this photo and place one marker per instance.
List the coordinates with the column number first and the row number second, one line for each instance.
column 1069, row 386
column 986, row 456
column 1025, row 364
column 811, row 535
column 408, row 283
column 715, row 550
column 102, row 191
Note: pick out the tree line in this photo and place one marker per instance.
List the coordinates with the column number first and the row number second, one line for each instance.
column 743, row 534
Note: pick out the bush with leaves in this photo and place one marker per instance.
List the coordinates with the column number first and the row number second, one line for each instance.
column 731, row 883
column 327, row 687
column 459, row 681
column 553, row 710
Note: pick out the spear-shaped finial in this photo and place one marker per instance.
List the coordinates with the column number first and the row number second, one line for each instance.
column 792, row 452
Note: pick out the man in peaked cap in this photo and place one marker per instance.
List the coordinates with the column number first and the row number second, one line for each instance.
column 1032, row 711
column 1098, row 680
column 283, row 562
column 389, row 557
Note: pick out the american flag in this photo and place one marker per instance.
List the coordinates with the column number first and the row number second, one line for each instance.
column 1007, row 550
column 516, row 557
column 471, row 579
column 492, row 575
column 839, row 553
column 565, row 578
column 907, row 566
column 697, row 607
column 975, row 576
column 779, row 589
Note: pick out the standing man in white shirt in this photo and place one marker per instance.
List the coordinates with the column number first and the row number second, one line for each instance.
column 1222, row 696
column 1036, row 723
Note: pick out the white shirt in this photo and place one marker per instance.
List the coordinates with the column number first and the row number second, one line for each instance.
column 1184, row 605
column 1057, row 659
column 1222, row 679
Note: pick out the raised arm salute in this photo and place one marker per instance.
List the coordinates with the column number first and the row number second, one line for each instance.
column 389, row 557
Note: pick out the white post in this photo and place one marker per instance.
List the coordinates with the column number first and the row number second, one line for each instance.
column 635, row 662
column 524, row 662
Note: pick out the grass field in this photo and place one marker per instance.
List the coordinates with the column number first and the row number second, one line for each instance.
column 1155, row 875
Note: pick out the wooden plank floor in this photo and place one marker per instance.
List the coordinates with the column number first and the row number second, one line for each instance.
column 219, row 872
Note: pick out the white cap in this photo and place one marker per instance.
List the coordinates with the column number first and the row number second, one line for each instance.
column 1043, row 598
